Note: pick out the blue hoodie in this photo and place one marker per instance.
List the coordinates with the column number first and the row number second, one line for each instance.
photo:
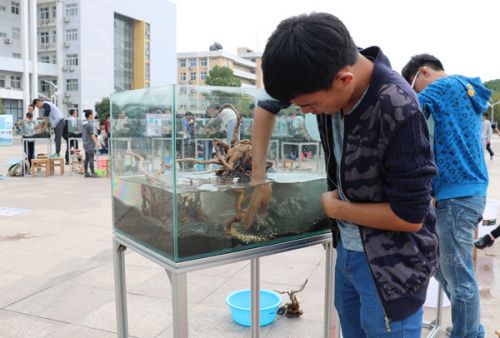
column 456, row 104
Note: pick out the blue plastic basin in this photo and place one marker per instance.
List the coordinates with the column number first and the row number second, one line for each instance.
column 240, row 304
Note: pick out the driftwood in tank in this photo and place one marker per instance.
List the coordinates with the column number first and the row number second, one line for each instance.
column 234, row 159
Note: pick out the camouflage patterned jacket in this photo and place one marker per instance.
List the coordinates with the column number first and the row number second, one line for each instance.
column 387, row 157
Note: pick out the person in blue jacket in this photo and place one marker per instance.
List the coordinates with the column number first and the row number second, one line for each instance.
column 456, row 104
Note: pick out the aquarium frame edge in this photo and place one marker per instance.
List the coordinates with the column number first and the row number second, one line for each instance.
column 227, row 258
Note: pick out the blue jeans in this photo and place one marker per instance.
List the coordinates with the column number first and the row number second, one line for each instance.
column 358, row 303
column 456, row 220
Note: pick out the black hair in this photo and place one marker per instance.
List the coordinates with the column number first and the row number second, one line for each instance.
column 418, row 61
column 32, row 106
column 88, row 112
column 305, row 53
column 71, row 111
column 188, row 113
column 486, row 114
column 29, row 115
column 35, row 101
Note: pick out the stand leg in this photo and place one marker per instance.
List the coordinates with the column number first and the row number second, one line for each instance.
column 120, row 288
column 255, row 291
column 179, row 304
column 330, row 322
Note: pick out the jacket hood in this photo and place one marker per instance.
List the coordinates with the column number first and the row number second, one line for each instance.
column 478, row 93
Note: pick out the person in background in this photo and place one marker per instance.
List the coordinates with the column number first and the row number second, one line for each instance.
column 488, row 239
column 107, row 126
column 56, row 120
column 89, row 144
column 28, row 130
column 102, row 140
column 227, row 116
column 456, row 104
column 486, row 134
column 71, row 131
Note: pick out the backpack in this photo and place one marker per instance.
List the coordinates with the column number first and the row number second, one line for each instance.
column 16, row 170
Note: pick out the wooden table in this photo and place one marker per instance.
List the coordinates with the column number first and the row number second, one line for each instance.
column 40, row 163
column 53, row 161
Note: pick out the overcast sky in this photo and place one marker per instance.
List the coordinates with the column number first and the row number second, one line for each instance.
column 464, row 35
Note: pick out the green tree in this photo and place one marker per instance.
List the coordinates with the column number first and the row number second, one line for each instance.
column 222, row 76
column 493, row 85
column 102, row 108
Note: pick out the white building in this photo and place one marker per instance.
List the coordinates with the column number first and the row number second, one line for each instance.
column 194, row 67
column 85, row 50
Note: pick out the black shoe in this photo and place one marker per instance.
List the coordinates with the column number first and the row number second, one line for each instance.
column 87, row 175
column 484, row 242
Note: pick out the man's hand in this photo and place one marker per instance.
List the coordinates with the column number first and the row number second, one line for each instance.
column 259, row 202
column 330, row 201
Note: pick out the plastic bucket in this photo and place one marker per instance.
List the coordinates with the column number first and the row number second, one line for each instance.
column 240, row 305
column 101, row 162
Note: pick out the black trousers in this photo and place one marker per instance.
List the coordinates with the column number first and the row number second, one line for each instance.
column 29, row 150
column 488, row 147
column 89, row 162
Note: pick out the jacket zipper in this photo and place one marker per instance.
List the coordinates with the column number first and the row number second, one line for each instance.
column 387, row 320
column 326, row 123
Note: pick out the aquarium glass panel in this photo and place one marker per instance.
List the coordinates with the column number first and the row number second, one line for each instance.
column 181, row 160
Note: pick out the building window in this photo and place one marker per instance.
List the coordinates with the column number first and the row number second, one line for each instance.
column 72, row 85
column 44, row 39
column 45, row 59
column 2, row 81
column 71, row 9
column 192, row 76
column 15, row 7
column 14, row 108
column 54, row 58
column 72, row 60
column 16, row 55
column 183, row 76
column 16, row 33
column 3, row 35
column 203, row 76
column 182, row 63
column 148, row 31
column 15, row 82
column 54, row 12
column 44, row 14
column 3, row 8
column 71, row 34
column 147, row 50
column 54, row 37
column 148, row 71
column 123, row 53
column 192, row 62
column 203, row 62
column 44, row 87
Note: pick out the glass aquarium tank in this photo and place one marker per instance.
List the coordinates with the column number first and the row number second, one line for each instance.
column 35, row 128
column 184, row 192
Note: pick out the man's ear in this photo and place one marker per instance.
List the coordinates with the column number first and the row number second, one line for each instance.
column 344, row 76
column 425, row 71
